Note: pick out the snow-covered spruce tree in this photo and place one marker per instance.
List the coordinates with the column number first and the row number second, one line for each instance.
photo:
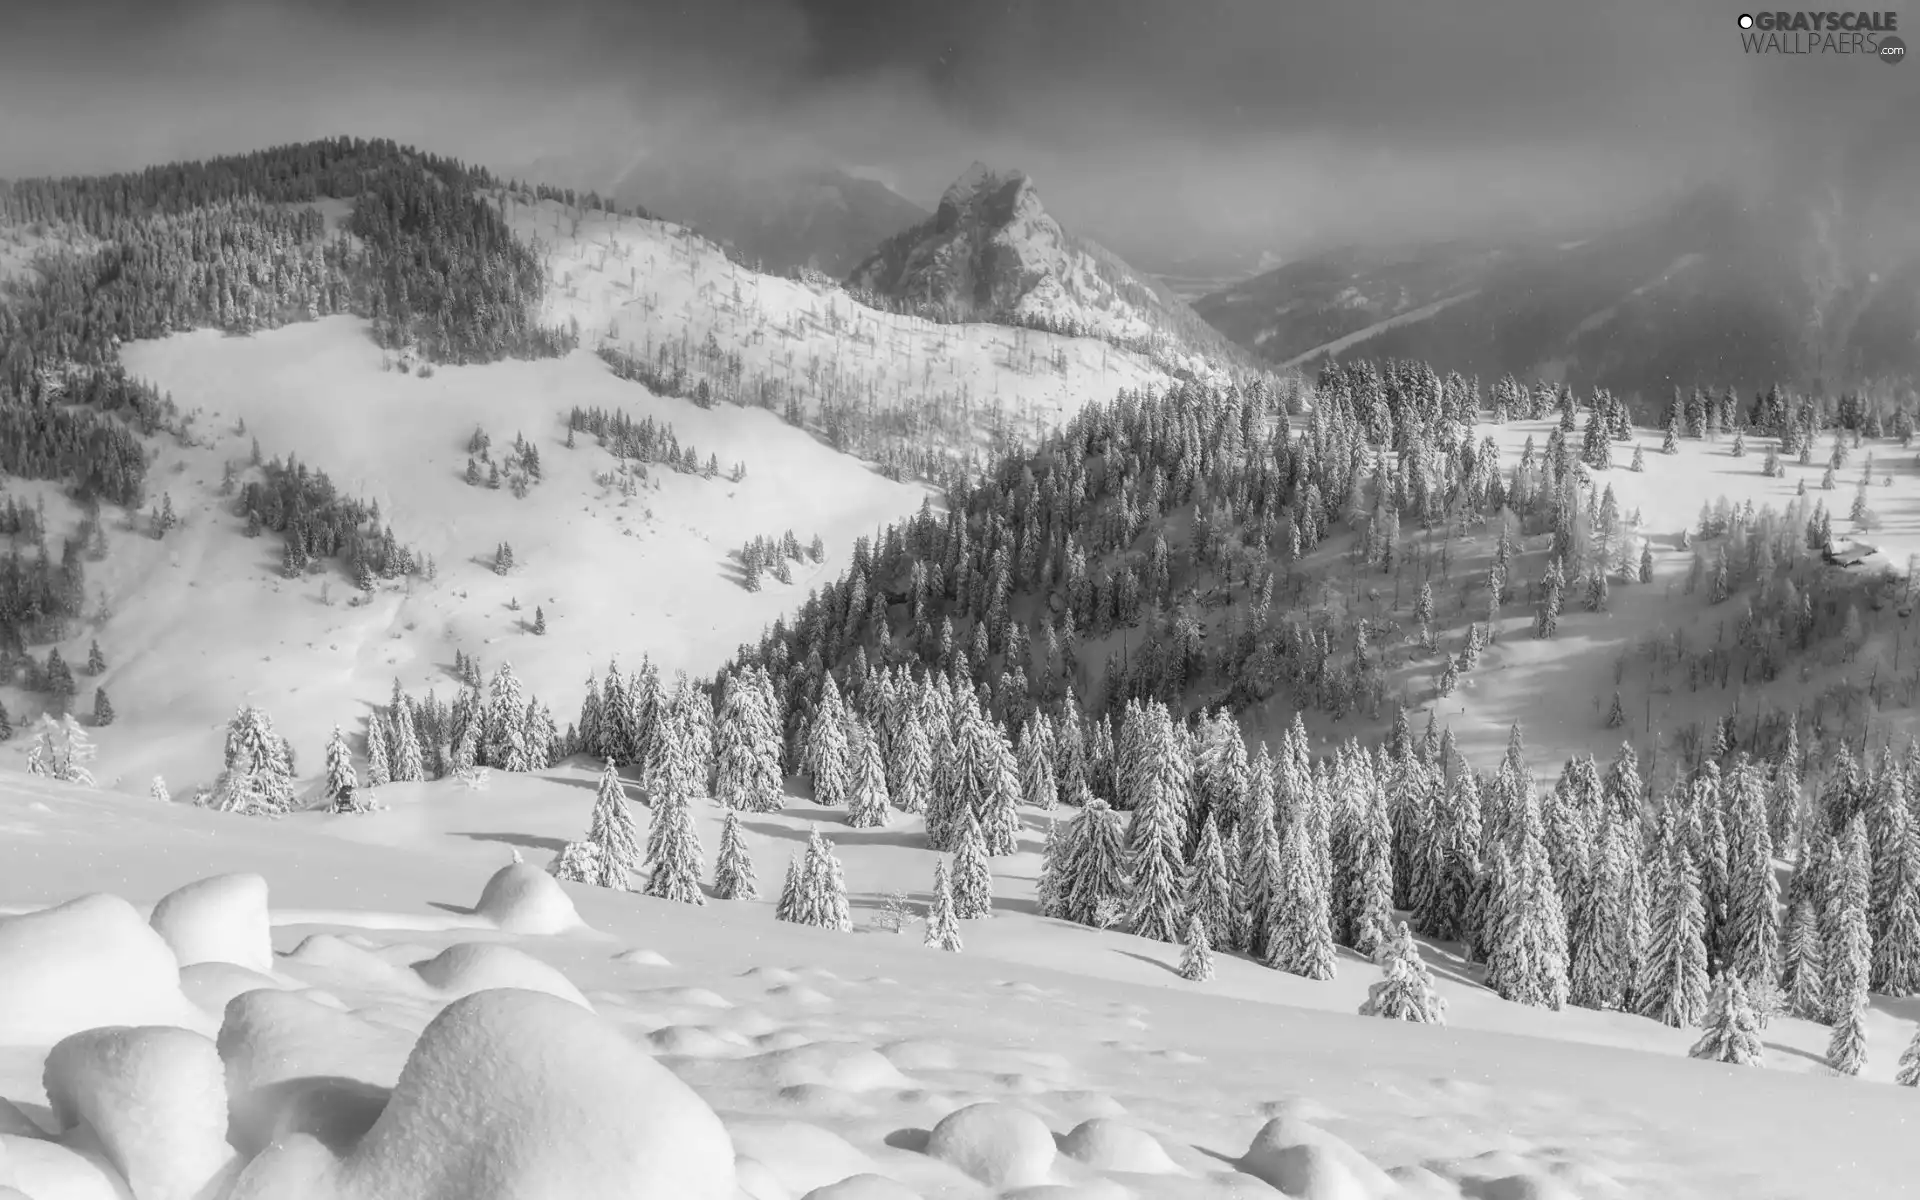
column 409, row 765
column 821, row 898
column 1099, row 872
column 1196, row 958
column 1259, row 842
column 158, row 791
column 867, row 803
column 577, row 862
column 1300, row 926
column 612, row 833
column 340, row 774
column 1909, row 1073
column 1527, row 931
column 675, row 865
column 1367, row 907
column 1598, row 927
column 1849, row 944
column 379, row 754
column 784, row 908
column 1752, row 942
column 1407, row 992
column 1847, row 1047
column 972, row 874
column 1673, row 990
column 1000, row 816
column 1158, row 831
column 747, row 746
column 943, row 928
column 1037, row 786
column 910, row 758
column 733, row 870
column 1732, row 1027
column 1803, row 962
column 828, row 760
column 1208, row 889
column 1896, row 888
column 1050, row 887
column 258, row 778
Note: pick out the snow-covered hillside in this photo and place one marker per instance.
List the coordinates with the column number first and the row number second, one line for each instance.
column 657, row 291
column 340, row 1003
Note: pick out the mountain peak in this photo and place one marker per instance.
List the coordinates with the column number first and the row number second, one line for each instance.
column 993, row 196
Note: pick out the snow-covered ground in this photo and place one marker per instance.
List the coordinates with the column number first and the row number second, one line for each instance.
column 794, row 1059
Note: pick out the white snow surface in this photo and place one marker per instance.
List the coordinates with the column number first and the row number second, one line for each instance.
column 747, row 1058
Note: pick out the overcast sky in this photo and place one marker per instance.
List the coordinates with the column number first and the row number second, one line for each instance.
column 1149, row 123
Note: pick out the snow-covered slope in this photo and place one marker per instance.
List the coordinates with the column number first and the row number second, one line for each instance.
column 992, row 250
column 653, row 289
column 764, row 1060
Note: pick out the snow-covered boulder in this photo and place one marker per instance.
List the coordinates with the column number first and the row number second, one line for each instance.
column 863, row 1187
column 997, row 1144
column 522, row 898
column 83, row 964
column 221, row 919
column 1307, row 1162
column 470, row 967
column 517, row 1095
column 154, row 1097
column 211, row 985
column 1108, row 1145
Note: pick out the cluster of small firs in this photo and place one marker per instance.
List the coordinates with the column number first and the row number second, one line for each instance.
column 773, row 556
column 54, row 678
column 318, row 523
column 519, row 469
column 644, row 441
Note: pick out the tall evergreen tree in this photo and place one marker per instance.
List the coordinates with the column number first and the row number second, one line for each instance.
column 867, row 806
column 379, row 754
column 258, row 777
column 820, row 897
column 972, row 874
column 612, row 833
column 676, row 863
column 340, row 774
column 1300, row 925
column 1196, row 959
column 733, row 871
column 1849, row 944
column 1158, row 831
column 828, row 760
column 943, row 929
column 1674, row 987
column 1037, row 784
column 409, row 765
column 1752, row 944
column 1208, row 893
column 1909, row 1073
column 1099, row 864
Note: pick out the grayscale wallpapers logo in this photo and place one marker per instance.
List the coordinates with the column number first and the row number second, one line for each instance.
column 1867, row 34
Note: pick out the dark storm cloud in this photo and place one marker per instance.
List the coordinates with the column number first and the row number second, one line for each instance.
column 1153, row 123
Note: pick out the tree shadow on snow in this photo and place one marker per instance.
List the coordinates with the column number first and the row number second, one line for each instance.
column 912, row 839
column 526, row 841
column 1170, row 969
column 1780, row 1048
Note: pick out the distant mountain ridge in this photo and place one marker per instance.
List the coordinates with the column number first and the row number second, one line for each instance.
column 1813, row 283
column 992, row 252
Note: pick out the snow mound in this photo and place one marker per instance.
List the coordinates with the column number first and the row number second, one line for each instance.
column 1097, row 1189
column 43, row 1170
column 350, row 957
column 799, row 1155
column 800, row 993
column 997, row 1144
column 13, row 1121
column 221, row 919
column 921, row 1055
column 83, row 964
column 691, row 996
column 1092, row 1103
column 770, row 975
column 640, row 957
column 1306, row 1161
column 863, row 1187
column 469, row 967
column 522, row 898
column 512, row 1094
column 846, row 1065
column 820, row 1100
column 1109, row 1145
column 1419, row 1183
column 1527, row 1185
column 155, row 1098
column 693, row 1041
column 269, row 1037
column 211, row 985
column 756, row 1182
column 782, row 1038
